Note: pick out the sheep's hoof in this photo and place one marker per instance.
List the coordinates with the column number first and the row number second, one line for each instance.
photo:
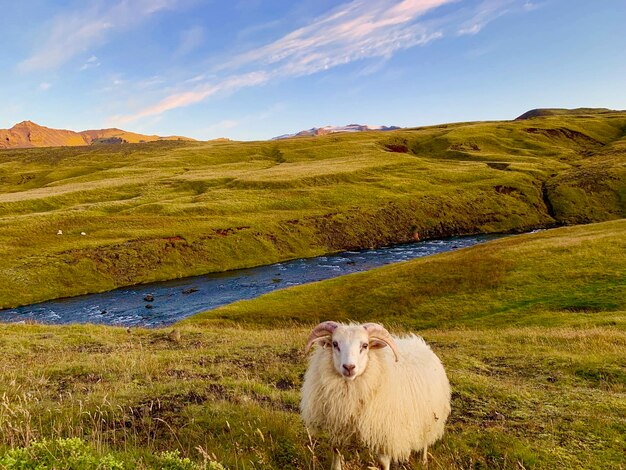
column 337, row 458
column 385, row 462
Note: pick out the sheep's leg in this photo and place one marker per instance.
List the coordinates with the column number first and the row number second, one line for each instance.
column 336, row 460
column 385, row 461
column 425, row 455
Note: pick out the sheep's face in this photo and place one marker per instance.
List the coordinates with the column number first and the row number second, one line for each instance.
column 350, row 347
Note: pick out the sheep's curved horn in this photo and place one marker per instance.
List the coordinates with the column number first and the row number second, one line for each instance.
column 378, row 332
column 320, row 332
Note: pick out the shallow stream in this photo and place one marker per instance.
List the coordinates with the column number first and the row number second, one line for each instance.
column 164, row 303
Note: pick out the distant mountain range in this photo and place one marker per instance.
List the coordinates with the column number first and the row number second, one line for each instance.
column 333, row 129
column 28, row 134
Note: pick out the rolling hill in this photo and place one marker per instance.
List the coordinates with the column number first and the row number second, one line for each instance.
column 541, row 112
column 163, row 210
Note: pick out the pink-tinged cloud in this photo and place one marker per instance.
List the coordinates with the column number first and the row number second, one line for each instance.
column 358, row 30
column 197, row 95
column 361, row 29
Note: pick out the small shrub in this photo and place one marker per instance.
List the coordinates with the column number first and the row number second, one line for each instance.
column 171, row 460
column 70, row 454
column 76, row 454
column 275, row 154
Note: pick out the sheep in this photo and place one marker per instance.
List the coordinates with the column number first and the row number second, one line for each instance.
column 390, row 394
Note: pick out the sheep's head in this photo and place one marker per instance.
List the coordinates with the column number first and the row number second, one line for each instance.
column 351, row 344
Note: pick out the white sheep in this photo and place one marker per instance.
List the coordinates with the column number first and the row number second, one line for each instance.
column 393, row 400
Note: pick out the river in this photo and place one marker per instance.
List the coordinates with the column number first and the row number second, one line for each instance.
column 163, row 303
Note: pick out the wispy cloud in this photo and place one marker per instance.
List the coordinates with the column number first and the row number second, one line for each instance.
column 530, row 6
column 487, row 11
column 44, row 86
column 91, row 63
column 150, row 82
column 226, row 126
column 196, row 95
column 190, row 39
column 222, row 126
column 361, row 29
column 113, row 83
column 74, row 33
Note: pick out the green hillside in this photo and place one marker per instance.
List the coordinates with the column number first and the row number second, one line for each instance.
column 531, row 330
column 163, row 210
column 541, row 112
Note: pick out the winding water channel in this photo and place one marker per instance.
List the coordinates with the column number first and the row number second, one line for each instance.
column 163, row 303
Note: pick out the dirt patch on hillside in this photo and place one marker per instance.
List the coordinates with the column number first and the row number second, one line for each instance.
column 565, row 133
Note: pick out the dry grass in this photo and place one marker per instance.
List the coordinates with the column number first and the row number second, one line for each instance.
column 536, row 364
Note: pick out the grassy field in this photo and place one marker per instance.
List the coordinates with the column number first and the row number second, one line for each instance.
column 531, row 329
column 164, row 210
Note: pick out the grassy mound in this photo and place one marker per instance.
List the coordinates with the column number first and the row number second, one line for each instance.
column 531, row 329
column 164, row 210
column 541, row 112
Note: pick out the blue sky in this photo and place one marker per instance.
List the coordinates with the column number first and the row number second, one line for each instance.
column 254, row 69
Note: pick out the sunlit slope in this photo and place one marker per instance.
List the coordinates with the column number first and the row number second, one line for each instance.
column 169, row 209
column 28, row 134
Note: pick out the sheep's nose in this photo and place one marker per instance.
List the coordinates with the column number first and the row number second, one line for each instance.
column 349, row 367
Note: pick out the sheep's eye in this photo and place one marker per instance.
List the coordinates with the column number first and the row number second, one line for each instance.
column 335, row 345
column 363, row 346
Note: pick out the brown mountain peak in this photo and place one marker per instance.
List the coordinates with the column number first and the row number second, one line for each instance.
column 29, row 124
column 29, row 134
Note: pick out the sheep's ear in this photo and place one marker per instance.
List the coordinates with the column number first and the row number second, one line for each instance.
column 323, row 340
column 320, row 332
column 377, row 344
